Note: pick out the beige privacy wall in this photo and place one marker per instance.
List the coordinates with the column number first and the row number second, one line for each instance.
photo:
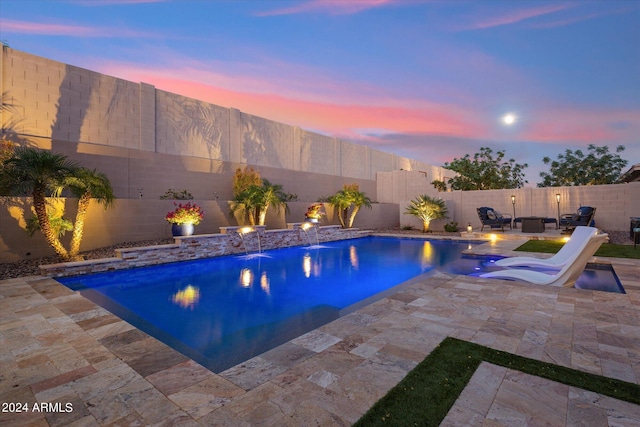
column 82, row 112
column 614, row 204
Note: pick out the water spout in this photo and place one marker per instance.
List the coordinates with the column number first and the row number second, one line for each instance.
column 305, row 227
column 247, row 230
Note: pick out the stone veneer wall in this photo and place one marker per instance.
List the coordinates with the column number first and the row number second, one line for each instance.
column 228, row 242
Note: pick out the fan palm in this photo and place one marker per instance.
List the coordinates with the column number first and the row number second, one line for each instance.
column 427, row 209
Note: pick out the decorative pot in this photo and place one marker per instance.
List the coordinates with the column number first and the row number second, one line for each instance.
column 182, row 229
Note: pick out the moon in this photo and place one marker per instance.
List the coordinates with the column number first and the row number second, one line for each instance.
column 509, row 119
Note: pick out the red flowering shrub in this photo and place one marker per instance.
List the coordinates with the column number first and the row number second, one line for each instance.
column 189, row 213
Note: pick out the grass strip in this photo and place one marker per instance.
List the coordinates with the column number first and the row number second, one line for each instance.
column 427, row 393
column 606, row 250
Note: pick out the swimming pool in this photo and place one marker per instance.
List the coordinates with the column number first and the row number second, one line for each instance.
column 222, row 311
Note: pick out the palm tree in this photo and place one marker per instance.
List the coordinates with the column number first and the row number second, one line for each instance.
column 269, row 195
column 427, row 209
column 255, row 200
column 341, row 202
column 87, row 184
column 358, row 199
column 39, row 173
column 348, row 202
column 244, row 203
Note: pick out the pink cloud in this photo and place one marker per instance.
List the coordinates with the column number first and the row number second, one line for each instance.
column 53, row 29
column 580, row 18
column 514, row 17
column 351, row 111
column 582, row 127
column 335, row 118
column 332, row 7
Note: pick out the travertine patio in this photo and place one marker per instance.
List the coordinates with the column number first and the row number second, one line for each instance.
column 58, row 347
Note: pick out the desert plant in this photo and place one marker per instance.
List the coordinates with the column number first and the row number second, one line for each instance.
column 427, row 209
column 40, row 174
column 451, row 227
column 86, row 184
column 255, row 200
column 348, row 202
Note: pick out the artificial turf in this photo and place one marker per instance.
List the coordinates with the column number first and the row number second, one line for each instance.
column 425, row 395
column 606, row 250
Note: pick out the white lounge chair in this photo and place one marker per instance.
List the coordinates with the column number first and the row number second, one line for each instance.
column 578, row 240
column 567, row 276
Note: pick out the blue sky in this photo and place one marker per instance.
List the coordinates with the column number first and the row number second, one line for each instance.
column 429, row 80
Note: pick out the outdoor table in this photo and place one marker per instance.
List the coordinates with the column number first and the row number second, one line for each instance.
column 532, row 224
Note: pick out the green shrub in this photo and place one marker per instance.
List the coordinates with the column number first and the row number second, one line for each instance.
column 452, row 227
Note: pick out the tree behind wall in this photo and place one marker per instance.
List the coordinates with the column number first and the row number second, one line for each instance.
column 573, row 168
column 485, row 172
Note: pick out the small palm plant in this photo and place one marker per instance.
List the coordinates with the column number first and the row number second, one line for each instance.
column 254, row 201
column 40, row 174
column 348, row 202
column 427, row 209
column 270, row 196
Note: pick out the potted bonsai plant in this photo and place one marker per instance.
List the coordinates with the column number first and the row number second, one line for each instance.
column 184, row 218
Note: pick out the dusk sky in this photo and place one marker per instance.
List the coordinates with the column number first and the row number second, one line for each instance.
column 429, row 80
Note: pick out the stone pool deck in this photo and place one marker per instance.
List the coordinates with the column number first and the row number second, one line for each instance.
column 57, row 347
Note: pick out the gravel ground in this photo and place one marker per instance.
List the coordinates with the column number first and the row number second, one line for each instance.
column 30, row 267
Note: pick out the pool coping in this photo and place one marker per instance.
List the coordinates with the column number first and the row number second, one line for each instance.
column 60, row 347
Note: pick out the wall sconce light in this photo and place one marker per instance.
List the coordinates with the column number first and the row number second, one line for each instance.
column 469, row 228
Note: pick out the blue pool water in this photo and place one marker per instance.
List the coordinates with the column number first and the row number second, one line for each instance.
column 222, row 311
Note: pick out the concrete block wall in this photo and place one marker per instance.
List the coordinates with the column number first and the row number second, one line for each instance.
column 65, row 104
column 614, row 204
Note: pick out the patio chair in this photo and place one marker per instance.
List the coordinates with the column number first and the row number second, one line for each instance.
column 583, row 217
column 579, row 239
column 566, row 277
column 493, row 218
